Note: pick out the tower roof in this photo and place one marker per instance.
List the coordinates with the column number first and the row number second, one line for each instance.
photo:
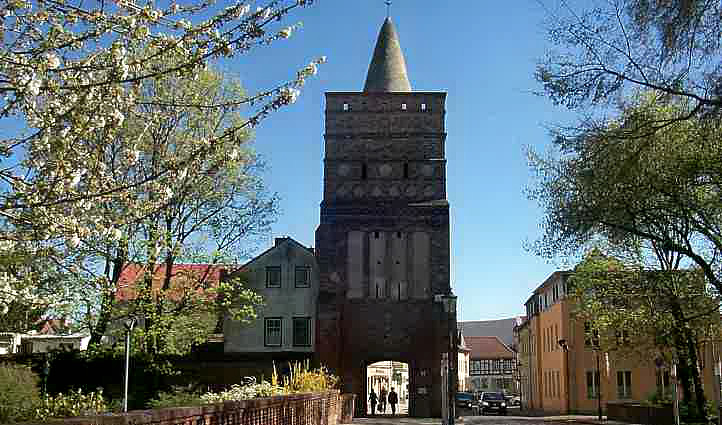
column 387, row 71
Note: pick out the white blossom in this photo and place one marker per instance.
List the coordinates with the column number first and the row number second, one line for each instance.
column 286, row 32
column 52, row 60
column 34, row 86
column 73, row 241
column 77, row 175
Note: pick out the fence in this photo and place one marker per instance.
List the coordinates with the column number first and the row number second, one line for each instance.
column 298, row 409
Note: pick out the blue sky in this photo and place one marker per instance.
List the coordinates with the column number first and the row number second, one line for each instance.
column 483, row 54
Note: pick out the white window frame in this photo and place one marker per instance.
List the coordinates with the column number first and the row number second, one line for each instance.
column 268, row 321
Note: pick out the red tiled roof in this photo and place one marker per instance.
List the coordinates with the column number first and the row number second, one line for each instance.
column 51, row 326
column 183, row 277
column 488, row 347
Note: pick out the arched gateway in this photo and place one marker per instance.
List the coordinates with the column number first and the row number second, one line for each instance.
column 383, row 239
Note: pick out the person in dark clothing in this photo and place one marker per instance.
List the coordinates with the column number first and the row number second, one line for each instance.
column 382, row 400
column 373, row 399
column 393, row 399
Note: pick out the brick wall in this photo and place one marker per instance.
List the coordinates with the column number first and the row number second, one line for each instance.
column 298, row 409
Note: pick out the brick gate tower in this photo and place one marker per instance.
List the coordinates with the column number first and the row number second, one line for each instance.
column 383, row 239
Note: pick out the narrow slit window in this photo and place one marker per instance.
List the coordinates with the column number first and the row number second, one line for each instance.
column 406, row 170
column 364, row 172
column 376, row 235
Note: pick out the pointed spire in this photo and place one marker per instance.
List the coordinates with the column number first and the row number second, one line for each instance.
column 387, row 71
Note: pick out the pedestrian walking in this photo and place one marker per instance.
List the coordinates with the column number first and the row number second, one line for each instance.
column 382, row 400
column 393, row 399
column 373, row 399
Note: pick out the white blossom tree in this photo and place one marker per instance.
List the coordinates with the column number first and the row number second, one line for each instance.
column 73, row 73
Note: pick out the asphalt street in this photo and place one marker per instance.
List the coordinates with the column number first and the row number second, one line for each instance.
column 468, row 420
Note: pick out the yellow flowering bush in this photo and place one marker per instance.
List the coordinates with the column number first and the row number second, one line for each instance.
column 74, row 403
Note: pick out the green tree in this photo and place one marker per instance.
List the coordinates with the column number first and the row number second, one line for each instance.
column 648, row 313
column 620, row 183
column 603, row 50
column 212, row 208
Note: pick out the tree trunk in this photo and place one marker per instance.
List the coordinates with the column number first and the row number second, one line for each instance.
column 107, row 301
column 700, row 398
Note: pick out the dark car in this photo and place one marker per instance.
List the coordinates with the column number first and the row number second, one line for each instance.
column 492, row 402
column 465, row 400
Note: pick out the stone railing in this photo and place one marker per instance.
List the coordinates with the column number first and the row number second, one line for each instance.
column 638, row 413
column 297, row 409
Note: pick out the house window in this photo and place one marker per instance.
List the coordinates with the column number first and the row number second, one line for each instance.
column 406, row 170
column 301, row 331
column 403, row 106
column 592, row 384
column 475, row 367
column 303, row 277
column 624, row 384
column 364, row 172
column 273, row 331
column 273, row 277
column 423, row 106
column 346, row 107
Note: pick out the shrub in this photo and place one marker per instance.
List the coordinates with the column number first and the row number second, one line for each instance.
column 75, row 403
column 243, row 392
column 178, row 397
column 19, row 394
column 302, row 379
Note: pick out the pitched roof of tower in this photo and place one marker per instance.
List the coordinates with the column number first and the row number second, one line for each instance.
column 387, row 71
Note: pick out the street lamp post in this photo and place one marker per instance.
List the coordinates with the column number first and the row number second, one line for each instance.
column 599, row 386
column 129, row 324
column 448, row 302
column 563, row 344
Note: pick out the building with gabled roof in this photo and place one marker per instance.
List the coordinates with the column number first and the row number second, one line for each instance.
column 492, row 364
column 286, row 276
column 501, row 328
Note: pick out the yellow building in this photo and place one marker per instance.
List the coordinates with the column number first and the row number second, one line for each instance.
column 561, row 372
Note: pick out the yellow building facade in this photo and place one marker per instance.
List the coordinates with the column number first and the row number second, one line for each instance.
column 561, row 372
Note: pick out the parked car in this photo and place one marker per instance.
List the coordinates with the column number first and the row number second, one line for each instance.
column 492, row 402
column 466, row 400
column 512, row 400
